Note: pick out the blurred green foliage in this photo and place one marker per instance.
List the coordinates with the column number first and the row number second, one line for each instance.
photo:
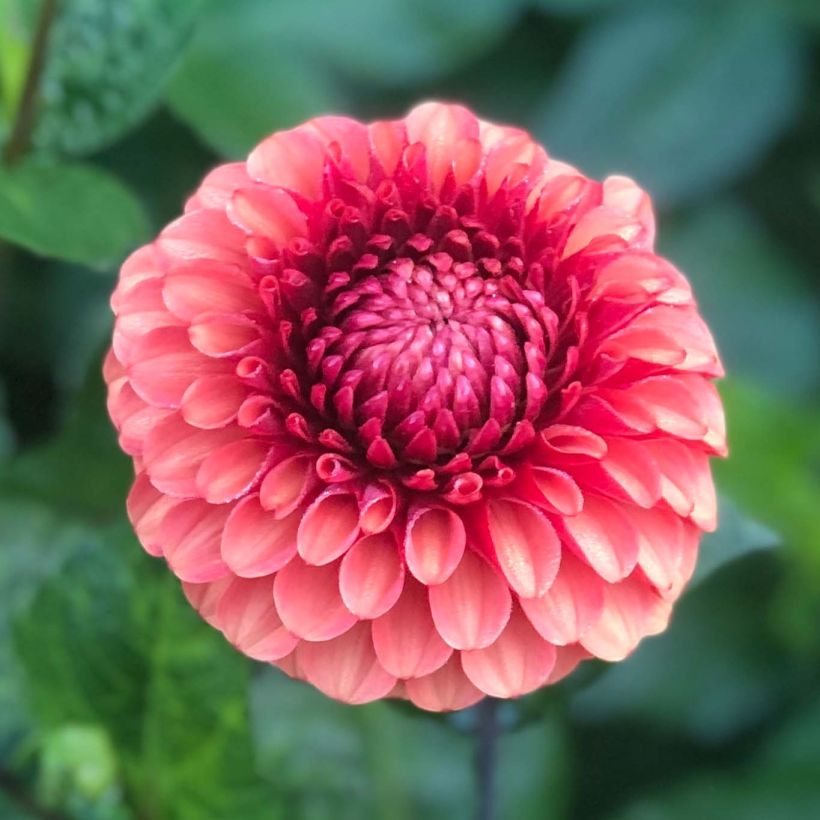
column 116, row 702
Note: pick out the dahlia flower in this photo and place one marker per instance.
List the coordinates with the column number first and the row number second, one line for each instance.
column 415, row 410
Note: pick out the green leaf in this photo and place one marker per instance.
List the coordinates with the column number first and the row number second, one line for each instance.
column 778, row 783
column 34, row 545
column 753, row 295
column 81, row 470
column 112, row 642
column 106, row 67
column 775, row 449
column 254, row 67
column 332, row 761
column 737, row 535
column 235, row 85
column 73, row 212
column 681, row 99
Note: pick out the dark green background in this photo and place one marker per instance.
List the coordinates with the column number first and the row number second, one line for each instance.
column 115, row 701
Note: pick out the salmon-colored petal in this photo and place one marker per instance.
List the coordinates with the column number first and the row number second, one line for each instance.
column 526, row 546
column 216, row 189
column 219, row 335
column 203, row 286
column 212, row 401
column 472, row 606
column 205, row 598
column 378, row 507
column 247, row 616
column 174, row 451
column 445, row 130
column 349, row 137
column 444, row 690
column 147, row 507
column 567, row 659
column 606, row 539
column 371, row 576
column 269, row 212
column 308, row 601
column 405, row 637
column 560, row 494
column 191, row 532
column 207, row 235
column 255, row 542
column 346, row 667
column 287, row 484
column 289, row 159
column 519, row 661
column 434, row 543
column 571, row 605
column 329, row 527
column 661, row 543
column 630, row 607
column 164, row 365
column 231, row 471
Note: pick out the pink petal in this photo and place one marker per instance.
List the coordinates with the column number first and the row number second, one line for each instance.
column 219, row 335
column 269, row 212
column 205, row 598
column 527, row 548
column 191, row 532
column 248, row 617
column 147, row 507
column 206, row 235
column 571, row 605
column 378, row 507
column 566, row 661
column 308, row 601
column 346, row 667
column 661, row 545
column 232, row 470
column 559, row 491
column 207, row 286
column 686, row 481
column 164, row 365
column 255, row 542
column 605, row 538
column 212, row 401
column 472, row 606
column 444, row 690
column 629, row 607
column 627, row 473
column 174, row 450
column 329, row 527
column 216, row 189
column 434, row 543
column 371, row 576
column 348, row 135
column 573, row 440
column 405, row 637
column 289, row 159
column 287, row 484
column 519, row 661
column 443, row 129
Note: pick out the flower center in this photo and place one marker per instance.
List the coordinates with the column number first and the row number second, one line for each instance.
column 425, row 345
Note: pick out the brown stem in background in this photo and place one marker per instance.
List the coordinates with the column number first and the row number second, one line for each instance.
column 20, row 136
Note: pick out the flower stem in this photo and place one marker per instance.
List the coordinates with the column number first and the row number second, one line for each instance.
column 20, row 136
column 486, row 757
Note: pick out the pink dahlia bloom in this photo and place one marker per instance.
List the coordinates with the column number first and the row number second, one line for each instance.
column 415, row 410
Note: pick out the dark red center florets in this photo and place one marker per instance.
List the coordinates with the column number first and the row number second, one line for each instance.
column 419, row 335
